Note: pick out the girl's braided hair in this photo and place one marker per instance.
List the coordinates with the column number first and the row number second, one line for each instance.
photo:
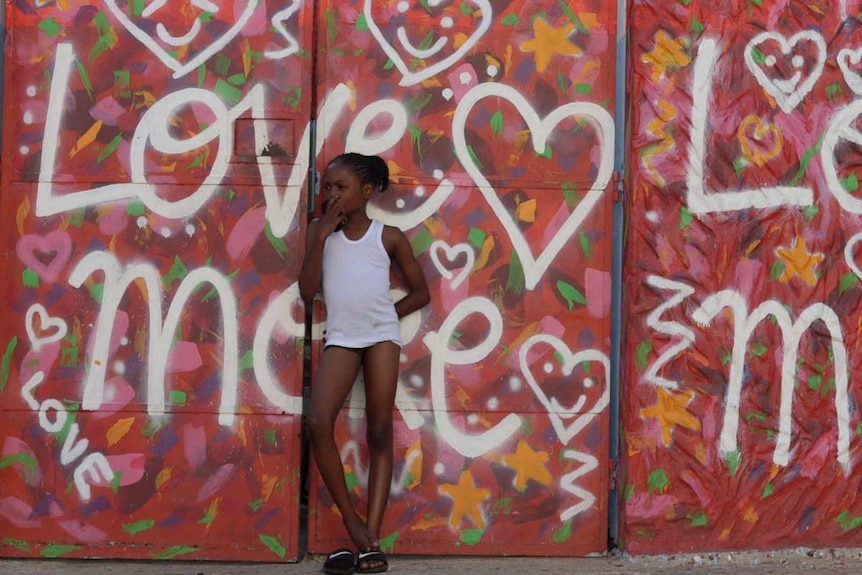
column 369, row 169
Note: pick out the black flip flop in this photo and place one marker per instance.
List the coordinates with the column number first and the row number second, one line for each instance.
column 369, row 556
column 340, row 562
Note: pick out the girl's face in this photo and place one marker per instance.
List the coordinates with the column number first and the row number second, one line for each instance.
column 341, row 183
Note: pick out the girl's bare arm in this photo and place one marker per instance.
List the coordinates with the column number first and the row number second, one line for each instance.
column 417, row 288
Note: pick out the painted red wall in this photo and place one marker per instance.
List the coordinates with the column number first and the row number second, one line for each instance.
column 150, row 398
column 501, row 148
column 152, row 371
column 740, row 401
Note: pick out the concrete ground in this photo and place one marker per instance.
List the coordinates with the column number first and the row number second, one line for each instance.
column 821, row 561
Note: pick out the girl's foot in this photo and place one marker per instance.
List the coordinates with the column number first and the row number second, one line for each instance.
column 360, row 535
column 371, row 562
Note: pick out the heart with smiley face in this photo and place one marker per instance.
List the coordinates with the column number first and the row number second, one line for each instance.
column 408, row 37
column 184, row 28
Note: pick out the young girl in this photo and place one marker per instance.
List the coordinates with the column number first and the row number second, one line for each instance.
column 349, row 256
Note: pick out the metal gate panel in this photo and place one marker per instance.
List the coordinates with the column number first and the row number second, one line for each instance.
column 152, row 193
column 496, row 120
column 741, row 404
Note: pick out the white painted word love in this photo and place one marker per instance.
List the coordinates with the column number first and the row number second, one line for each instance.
column 53, row 417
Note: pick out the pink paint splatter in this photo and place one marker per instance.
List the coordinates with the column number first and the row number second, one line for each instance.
column 245, row 233
column 184, row 357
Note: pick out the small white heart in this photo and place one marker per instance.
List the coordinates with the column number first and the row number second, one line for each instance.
column 46, row 325
column 452, row 252
column 850, row 57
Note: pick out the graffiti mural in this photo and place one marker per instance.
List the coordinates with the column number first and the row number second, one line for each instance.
column 495, row 118
column 741, row 408
column 154, row 165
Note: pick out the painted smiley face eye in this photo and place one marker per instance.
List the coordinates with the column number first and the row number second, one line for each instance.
column 798, row 61
column 770, row 61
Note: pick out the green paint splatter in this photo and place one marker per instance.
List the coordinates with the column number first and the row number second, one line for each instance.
column 138, row 526
column 642, row 354
column 806, row 159
column 7, row 362
column 177, row 272
column 227, row 92
column 848, row 281
column 50, row 27
column 421, row 242
column 30, row 278
column 697, row 519
column 387, row 544
column 472, row 536
column 477, row 237
column 582, row 28
column 658, row 481
column 516, row 280
column 510, row 20
column 52, row 550
column 847, row 522
column 733, row 460
column 273, row 544
column 685, row 218
column 497, row 122
column 776, row 270
column 16, row 543
column 586, row 244
column 110, row 148
column 361, row 23
column 768, row 490
column 25, row 459
column 178, row 397
column 174, row 551
column 571, row 294
column 563, row 534
column 351, row 480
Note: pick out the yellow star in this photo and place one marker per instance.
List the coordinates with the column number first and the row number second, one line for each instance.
column 528, row 464
column 667, row 52
column 466, row 498
column 548, row 42
column 798, row 262
column 670, row 412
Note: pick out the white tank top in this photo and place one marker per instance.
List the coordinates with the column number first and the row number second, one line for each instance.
column 359, row 308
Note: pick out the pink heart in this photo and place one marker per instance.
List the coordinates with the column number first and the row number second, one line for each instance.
column 55, row 247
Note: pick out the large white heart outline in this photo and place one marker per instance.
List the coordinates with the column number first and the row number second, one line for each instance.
column 557, row 412
column 408, row 77
column 534, row 267
column 181, row 70
column 46, row 322
column 452, row 252
column 853, row 79
column 787, row 101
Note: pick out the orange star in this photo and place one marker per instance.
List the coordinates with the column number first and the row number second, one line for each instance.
column 667, row 52
column 670, row 412
column 528, row 464
column 548, row 42
column 466, row 498
column 798, row 262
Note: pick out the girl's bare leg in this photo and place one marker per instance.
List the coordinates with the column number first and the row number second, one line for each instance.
column 332, row 382
column 381, row 380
